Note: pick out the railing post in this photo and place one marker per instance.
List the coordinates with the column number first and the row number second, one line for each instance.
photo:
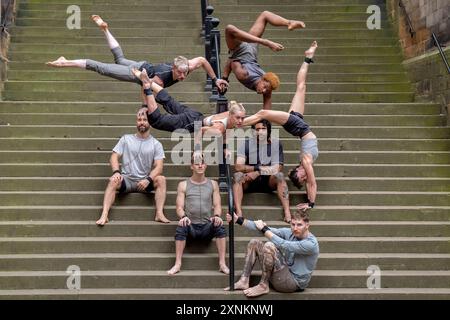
column 222, row 106
column 438, row 45
column 208, row 43
column 215, row 56
column 204, row 4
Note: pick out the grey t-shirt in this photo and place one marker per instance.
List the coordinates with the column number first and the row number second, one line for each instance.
column 138, row 155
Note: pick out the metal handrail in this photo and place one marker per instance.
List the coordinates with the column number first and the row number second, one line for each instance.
column 212, row 54
column 444, row 59
column 411, row 29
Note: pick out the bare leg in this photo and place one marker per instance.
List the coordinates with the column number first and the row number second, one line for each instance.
column 221, row 249
column 269, row 261
column 255, row 250
column 298, row 102
column 269, row 17
column 238, row 192
column 160, row 198
column 179, row 249
column 282, row 192
column 108, row 200
column 234, row 36
column 277, row 117
column 62, row 62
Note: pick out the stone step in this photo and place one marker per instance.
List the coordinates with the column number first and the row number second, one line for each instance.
column 279, row 67
column 46, row 245
column 326, row 184
column 256, row 3
column 119, row 31
column 143, row 229
column 302, row 42
column 164, row 261
column 95, row 131
column 219, row 294
column 123, row 119
column 336, row 198
column 98, row 87
column 74, row 75
column 344, row 157
column 141, row 213
column 310, row 13
column 264, row 59
column 251, row 107
column 193, row 23
column 108, row 9
column 324, row 170
column 23, row 280
column 367, row 97
column 326, row 144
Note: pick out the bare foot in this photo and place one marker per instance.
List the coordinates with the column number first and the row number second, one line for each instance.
column 224, row 269
column 60, row 62
column 102, row 221
column 175, row 269
column 274, row 46
column 294, row 24
column 242, row 284
column 310, row 52
column 258, row 290
column 99, row 21
column 162, row 219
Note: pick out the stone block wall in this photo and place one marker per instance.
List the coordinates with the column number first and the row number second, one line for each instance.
column 422, row 60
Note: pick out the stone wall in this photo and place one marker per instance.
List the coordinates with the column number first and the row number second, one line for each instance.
column 7, row 18
column 422, row 61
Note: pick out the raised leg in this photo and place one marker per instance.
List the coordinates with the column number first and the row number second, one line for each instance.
column 298, row 102
column 275, row 20
column 277, row 117
column 62, row 62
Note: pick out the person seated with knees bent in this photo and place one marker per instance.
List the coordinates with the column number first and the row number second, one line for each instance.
column 243, row 58
column 287, row 260
column 142, row 165
column 259, row 167
column 199, row 209
column 293, row 123
column 165, row 74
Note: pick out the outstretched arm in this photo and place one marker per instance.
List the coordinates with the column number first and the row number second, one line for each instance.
column 267, row 101
column 201, row 62
column 311, row 184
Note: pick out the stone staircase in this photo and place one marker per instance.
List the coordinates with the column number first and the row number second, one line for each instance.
column 383, row 172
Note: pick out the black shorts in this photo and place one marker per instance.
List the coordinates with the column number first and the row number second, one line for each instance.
column 260, row 185
column 179, row 116
column 296, row 125
column 204, row 232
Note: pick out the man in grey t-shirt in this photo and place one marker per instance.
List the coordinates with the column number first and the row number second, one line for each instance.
column 142, row 164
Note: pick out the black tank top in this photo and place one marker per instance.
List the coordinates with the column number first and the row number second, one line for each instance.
column 163, row 71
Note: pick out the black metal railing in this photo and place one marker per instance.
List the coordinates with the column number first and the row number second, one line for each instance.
column 211, row 35
column 441, row 52
column 433, row 35
column 411, row 29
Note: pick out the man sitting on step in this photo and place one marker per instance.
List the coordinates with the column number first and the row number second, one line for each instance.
column 259, row 167
column 199, row 209
column 165, row 74
column 142, row 165
column 287, row 260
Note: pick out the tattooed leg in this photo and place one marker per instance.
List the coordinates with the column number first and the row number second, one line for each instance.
column 270, row 264
column 255, row 250
column 283, row 194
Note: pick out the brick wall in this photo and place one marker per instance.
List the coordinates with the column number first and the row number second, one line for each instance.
column 426, row 70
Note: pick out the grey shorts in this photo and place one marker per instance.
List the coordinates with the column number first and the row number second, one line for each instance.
column 247, row 52
column 283, row 281
column 129, row 185
column 309, row 146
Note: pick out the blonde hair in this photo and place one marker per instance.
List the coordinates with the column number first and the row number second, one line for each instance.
column 273, row 79
column 181, row 62
column 235, row 107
